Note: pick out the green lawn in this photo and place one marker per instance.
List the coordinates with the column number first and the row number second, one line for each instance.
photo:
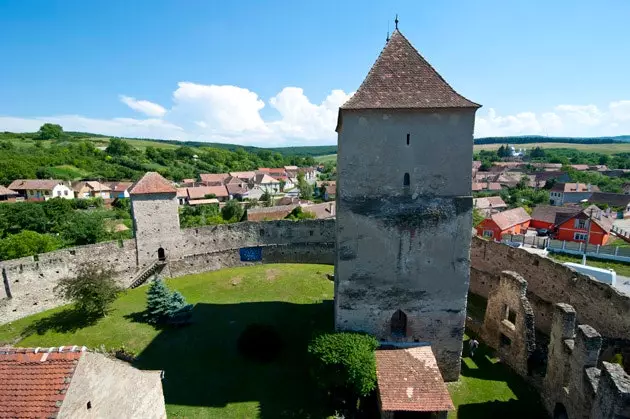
column 620, row 268
column 489, row 389
column 204, row 375
column 69, row 171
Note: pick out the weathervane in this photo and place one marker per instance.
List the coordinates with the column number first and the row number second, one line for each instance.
column 396, row 21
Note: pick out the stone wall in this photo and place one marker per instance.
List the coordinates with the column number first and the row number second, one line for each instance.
column 509, row 322
column 29, row 282
column 596, row 304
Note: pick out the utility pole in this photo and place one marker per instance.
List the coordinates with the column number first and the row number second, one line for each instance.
column 588, row 235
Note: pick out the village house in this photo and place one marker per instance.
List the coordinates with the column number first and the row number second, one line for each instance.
column 486, row 186
column 489, row 205
column 69, row 382
column 237, row 190
column 580, row 167
column 266, row 183
column 545, row 216
column 514, row 221
column 245, row 176
column 618, row 203
column 564, row 193
column 42, row 189
column 182, row 196
column 120, row 189
column 576, row 227
column 7, row 195
column 326, row 189
column 91, row 189
column 206, row 192
column 213, row 179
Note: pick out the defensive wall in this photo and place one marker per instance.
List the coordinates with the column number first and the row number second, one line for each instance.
column 28, row 282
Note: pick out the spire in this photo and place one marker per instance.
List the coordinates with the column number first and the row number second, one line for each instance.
column 402, row 79
column 396, row 21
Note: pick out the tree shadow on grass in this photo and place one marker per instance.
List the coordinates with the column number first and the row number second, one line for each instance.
column 528, row 403
column 203, row 368
column 66, row 321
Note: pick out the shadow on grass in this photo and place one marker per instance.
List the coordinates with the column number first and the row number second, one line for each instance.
column 203, row 368
column 528, row 403
column 65, row 321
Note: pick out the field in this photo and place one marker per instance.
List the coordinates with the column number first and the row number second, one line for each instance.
column 326, row 158
column 593, row 148
column 204, row 375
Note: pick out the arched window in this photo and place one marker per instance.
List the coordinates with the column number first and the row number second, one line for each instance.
column 406, row 180
column 161, row 254
column 398, row 324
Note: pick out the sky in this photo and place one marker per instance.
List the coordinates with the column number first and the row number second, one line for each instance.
column 273, row 73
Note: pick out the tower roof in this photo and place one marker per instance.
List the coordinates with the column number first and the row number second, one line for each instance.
column 402, row 79
column 152, row 182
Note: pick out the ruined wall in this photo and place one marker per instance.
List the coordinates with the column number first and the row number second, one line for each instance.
column 574, row 385
column 29, row 282
column 509, row 322
column 596, row 304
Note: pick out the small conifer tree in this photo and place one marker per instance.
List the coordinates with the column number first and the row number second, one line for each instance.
column 158, row 302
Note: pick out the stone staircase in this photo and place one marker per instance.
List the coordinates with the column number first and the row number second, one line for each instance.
column 146, row 273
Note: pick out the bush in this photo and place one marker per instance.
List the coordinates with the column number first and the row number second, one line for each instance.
column 260, row 342
column 299, row 214
column 92, row 291
column 345, row 363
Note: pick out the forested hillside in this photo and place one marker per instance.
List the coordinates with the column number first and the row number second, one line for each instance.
column 71, row 156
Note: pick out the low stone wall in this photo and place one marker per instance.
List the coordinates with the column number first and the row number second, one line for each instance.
column 597, row 304
column 28, row 282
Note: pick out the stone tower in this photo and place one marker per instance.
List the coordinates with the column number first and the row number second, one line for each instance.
column 155, row 214
column 404, row 210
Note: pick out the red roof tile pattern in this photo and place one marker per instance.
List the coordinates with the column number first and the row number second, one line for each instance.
column 549, row 213
column 200, row 192
column 213, row 178
column 33, row 382
column 410, row 380
column 574, row 187
column 34, row 184
column 120, row 186
column 6, row 191
column 509, row 218
column 269, row 213
column 489, row 202
column 402, row 79
column 152, row 183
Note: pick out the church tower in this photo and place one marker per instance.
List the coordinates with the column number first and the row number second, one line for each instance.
column 404, row 206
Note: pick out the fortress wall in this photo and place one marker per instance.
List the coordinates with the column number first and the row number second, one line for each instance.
column 597, row 304
column 27, row 283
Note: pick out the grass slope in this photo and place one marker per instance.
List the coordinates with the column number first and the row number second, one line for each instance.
column 593, row 148
column 204, row 375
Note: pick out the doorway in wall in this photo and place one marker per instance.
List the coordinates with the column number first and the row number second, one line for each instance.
column 161, row 254
column 398, row 324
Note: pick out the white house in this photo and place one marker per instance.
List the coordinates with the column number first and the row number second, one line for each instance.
column 42, row 189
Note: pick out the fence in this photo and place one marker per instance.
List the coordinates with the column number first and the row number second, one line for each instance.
column 578, row 248
column 540, row 242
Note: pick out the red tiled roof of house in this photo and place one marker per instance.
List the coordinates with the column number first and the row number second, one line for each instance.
column 200, row 192
column 509, row 218
column 580, row 167
column 402, row 79
column 489, row 202
column 33, row 382
column 120, row 186
column 549, row 213
column 34, row 184
column 6, row 191
column 210, row 178
column 410, row 380
column 574, row 187
column 182, row 192
column 236, row 189
column 152, row 183
column 269, row 213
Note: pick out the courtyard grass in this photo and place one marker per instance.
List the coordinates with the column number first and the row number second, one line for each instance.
column 205, row 376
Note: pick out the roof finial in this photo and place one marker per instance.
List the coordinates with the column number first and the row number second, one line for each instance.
column 387, row 39
column 396, row 21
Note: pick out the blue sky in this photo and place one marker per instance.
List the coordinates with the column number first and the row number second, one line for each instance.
column 275, row 72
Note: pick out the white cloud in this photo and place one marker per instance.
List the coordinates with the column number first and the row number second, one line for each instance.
column 565, row 120
column 620, row 110
column 144, row 106
column 232, row 114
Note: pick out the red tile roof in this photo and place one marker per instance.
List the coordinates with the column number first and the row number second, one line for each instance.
column 574, row 187
column 120, row 186
column 213, row 178
column 200, row 192
column 269, row 213
column 489, row 202
column 509, row 218
column 402, row 79
column 6, row 191
column 409, row 380
column 34, row 184
column 34, row 384
column 549, row 213
column 152, row 182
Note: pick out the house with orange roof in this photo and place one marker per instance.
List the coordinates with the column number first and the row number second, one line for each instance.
column 514, row 221
column 7, row 195
column 70, row 382
column 42, row 189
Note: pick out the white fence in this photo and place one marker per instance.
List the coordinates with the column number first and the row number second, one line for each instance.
column 602, row 252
